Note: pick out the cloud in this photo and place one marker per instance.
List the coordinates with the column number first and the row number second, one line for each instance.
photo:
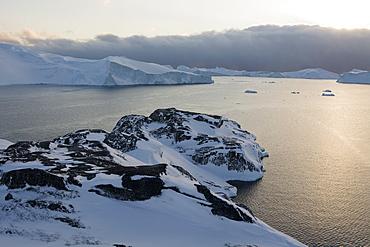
column 271, row 48
column 8, row 38
column 26, row 37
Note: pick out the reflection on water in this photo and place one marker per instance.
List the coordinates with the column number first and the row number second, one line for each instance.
column 316, row 187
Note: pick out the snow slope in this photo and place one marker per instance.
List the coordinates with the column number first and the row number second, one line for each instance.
column 310, row 73
column 20, row 65
column 355, row 76
column 152, row 181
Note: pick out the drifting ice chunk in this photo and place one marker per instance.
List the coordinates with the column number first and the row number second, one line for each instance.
column 328, row 94
column 250, row 91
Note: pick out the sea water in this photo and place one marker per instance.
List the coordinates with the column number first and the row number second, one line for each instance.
column 316, row 187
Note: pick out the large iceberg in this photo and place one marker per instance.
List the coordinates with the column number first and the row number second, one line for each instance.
column 218, row 71
column 152, row 181
column 20, row 65
column 309, row 73
column 355, row 76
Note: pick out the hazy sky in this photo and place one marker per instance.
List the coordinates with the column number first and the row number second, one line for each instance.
column 73, row 25
column 84, row 19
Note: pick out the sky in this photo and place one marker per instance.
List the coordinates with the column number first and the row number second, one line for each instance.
column 216, row 33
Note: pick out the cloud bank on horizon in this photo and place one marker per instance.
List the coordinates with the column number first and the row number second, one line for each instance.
column 258, row 48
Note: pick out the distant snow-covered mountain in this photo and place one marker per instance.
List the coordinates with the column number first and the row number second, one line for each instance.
column 311, row 73
column 355, row 76
column 20, row 65
column 152, row 181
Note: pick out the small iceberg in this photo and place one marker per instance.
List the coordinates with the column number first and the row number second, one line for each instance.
column 295, row 92
column 250, row 91
column 328, row 94
column 327, row 91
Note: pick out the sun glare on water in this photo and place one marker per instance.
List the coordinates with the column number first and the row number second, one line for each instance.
column 330, row 13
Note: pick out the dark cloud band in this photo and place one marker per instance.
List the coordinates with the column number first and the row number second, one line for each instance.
column 271, row 48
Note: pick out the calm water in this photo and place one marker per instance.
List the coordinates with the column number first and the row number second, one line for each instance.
column 316, row 188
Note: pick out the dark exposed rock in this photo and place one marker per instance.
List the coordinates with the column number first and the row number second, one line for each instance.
column 121, row 141
column 184, row 172
column 9, row 197
column 111, row 191
column 136, row 189
column 203, row 138
column 35, row 177
column 78, row 137
column 127, row 132
column 53, row 206
column 45, row 145
column 153, row 170
column 222, row 207
column 174, row 129
column 167, row 115
column 21, row 151
column 217, row 123
column 72, row 222
column 132, row 124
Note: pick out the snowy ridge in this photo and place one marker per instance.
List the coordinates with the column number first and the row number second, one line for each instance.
column 310, row 73
column 355, row 76
column 20, row 65
column 152, row 181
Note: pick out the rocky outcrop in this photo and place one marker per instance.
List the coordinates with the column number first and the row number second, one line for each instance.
column 205, row 145
column 143, row 159
column 18, row 179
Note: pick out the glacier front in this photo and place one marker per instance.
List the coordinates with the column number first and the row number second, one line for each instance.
column 20, row 65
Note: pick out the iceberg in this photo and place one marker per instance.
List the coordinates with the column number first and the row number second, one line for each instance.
column 355, row 76
column 218, row 71
column 265, row 74
column 309, row 73
column 250, row 91
column 151, row 181
column 20, row 65
column 327, row 94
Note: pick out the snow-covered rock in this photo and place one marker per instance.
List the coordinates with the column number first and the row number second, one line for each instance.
column 355, row 76
column 20, row 65
column 152, row 181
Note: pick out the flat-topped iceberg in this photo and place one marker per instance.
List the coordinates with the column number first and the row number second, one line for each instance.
column 20, row 65
column 355, row 76
column 310, row 73
column 152, row 181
